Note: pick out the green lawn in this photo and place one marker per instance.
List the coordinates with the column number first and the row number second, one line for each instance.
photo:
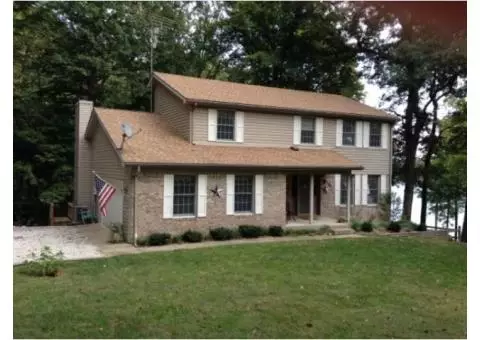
column 346, row 288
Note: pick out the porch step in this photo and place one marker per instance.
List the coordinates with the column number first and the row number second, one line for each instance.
column 342, row 230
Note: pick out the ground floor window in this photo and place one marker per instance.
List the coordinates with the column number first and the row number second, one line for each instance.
column 344, row 189
column 184, row 195
column 243, row 193
column 373, row 189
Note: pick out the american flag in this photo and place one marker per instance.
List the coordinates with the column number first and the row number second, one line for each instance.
column 104, row 192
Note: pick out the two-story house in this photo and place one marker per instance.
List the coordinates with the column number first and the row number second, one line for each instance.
column 216, row 153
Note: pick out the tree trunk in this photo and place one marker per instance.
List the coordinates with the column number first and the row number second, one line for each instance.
column 463, row 237
column 436, row 215
column 448, row 215
column 456, row 220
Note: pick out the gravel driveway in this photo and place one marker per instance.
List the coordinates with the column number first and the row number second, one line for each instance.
column 67, row 239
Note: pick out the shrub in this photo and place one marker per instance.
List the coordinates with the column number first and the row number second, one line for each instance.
column 159, row 239
column 221, row 234
column 192, row 236
column 394, row 227
column 342, row 220
column 276, row 231
column 47, row 264
column 356, row 225
column 251, row 231
column 142, row 242
column 323, row 230
column 366, row 226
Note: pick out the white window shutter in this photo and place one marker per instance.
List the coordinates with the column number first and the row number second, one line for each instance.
column 337, row 189
column 230, row 194
column 366, row 134
column 167, row 196
column 385, row 135
column 239, row 126
column 358, row 189
column 339, row 132
column 212, row 125
column 258, row 194
column 202, row 196
column 383, row 184
column 297, row 129
column 319, row 131
column 358, row 133
column 364, row 189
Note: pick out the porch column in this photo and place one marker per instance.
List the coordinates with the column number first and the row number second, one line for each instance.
column 312, row 209
column 349, row 199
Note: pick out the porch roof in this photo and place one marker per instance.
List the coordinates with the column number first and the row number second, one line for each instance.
column 159, row 145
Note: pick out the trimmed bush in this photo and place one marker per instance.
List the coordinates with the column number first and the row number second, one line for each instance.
column 366, row 226
column 251, row 231
column 394, row 227
column 356, row 225
column 177, row 239
column 142, row 242
column 221, row 234
column 159, row 239
column 192, row 236
column 342, row 220
column 276, row 231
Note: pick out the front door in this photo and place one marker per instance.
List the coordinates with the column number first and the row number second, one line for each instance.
column 303, row 194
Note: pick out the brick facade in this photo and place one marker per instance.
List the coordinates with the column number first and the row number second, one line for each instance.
column 149, row 205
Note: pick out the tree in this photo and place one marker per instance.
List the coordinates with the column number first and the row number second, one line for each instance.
column 417, row 65
column 298, row 45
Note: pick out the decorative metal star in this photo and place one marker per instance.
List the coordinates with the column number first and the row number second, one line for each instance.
column 216, row 191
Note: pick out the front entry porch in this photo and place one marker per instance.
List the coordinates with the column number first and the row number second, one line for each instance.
column 309, row 194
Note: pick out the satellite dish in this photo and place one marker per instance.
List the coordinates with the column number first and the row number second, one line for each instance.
column 127, row 130
column 127, row 133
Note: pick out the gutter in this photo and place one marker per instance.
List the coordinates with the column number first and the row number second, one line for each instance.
column 246, row 166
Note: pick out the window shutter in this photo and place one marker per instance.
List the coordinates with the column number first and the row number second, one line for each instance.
column 358, row 134
column 358, row 189
column 230, row 194
column 383, row 184
column 167, row 196
column 239, row 126
column 258, row 194
column 339, row 132
column 297, row 129
column 385, row 135
column 319, row 131
column 202, row 196
column 212, row 125
column 337, row 189
column 364, row 189
column 366, row 134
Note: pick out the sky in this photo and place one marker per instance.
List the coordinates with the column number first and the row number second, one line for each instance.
column 372, row 97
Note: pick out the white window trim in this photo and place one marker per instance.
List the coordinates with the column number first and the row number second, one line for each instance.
column 238, row 128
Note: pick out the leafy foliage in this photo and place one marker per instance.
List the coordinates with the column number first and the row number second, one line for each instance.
column 275, row 231
column 159, row 239
column 192, row 236
column 221, row 234
column 251, row 231
column 47, row 263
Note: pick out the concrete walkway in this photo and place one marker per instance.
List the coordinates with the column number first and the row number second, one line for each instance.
column 124, row 248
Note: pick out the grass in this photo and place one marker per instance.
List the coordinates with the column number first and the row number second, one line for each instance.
column 398, row 287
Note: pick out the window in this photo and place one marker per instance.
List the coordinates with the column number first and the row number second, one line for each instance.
column 344, row 188
column 184, row 195
column 373, row 189
column 243, row 193
column 226, row 125
column 348, row 137
column 308, row 130
column 375, row 134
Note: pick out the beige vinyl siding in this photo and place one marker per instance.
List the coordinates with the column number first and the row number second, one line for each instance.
column 176, row 113
column 83, row 154
column 260, row 129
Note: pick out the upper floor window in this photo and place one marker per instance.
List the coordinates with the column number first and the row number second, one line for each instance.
column 243, row 193
column 375, row 134
column 348, row 135
column 373, row 189
column 307, row 135
column 184, row 195
column 226, row 125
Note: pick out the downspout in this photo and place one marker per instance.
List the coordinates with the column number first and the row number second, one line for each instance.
column 134, row 205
